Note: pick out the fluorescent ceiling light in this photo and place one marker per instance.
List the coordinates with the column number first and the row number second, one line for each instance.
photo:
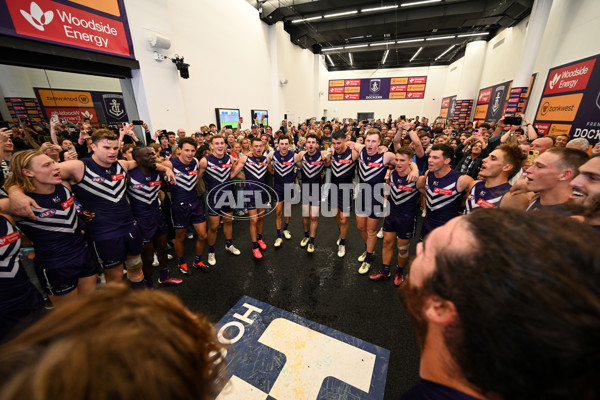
column 418, row 3
column 441, row 37
column 410, row 41
column 382, row 43
column 350, row 54
column 340, row 14
column 416, row 54
column 356, row 46
column 356, row 37
column 385, row 56
column 474, row 34
column 365, row 10
column 333, row 48
column 330, row 60
column 305, row 19
column 444, row 53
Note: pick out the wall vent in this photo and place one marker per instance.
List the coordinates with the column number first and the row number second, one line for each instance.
column 498, row 43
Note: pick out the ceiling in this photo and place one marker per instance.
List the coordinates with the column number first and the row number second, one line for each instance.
column 437, row 27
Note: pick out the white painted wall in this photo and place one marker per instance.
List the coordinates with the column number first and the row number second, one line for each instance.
column 429, row 105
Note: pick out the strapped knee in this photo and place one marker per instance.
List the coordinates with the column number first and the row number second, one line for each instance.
column 403, row 251
column 134, row 269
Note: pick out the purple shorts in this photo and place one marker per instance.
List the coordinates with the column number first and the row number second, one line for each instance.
column 219, row 201
column 367, row 204
column 311, row 193
column 186, row 214
column 257, row 198
column 151, row 227
column 61, row 278
column 402, row 225
column 344, row 198
column 113, row 252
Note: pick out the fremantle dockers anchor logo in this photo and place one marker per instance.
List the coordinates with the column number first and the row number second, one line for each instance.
column 375, row 85
column 115, row 108
column 498, row 99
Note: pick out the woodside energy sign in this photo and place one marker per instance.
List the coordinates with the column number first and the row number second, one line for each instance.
column 571, row 101
column 97, row 25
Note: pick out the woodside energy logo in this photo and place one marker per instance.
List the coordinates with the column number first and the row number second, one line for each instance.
column 56, row 22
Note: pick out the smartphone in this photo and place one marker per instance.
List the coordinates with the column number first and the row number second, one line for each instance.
column 284, row 116
column 228, row 127
column 477, row 132
column 71, row 148
column 390, row 116
column 137, row 122
column 403, row 117
column 533, row 154
column 323, row 119
column 54, row 118
column 513, row 121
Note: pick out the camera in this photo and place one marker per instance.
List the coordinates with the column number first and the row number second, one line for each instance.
column 182, row 67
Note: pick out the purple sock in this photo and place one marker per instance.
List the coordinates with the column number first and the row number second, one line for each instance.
column 254, row 245
column 211, row 249
column 228, row 242
column 164, row 274
column 311, row 240
column 285, row 226
column 197, row 259
column 279, row 234
column 369, row 257
column 137, row 285
column 306, row 234
column 259, row 236
column 342, row 242
column 149, row 283
column 400, row 269
column 181, row 260
column 385, row 269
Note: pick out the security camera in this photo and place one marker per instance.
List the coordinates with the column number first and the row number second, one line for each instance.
column 182, row 67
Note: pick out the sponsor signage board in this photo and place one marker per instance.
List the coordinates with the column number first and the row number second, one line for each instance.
column 495, row 101
column 23, row 108
column 96, row 25
column 448, row 106
column 75, row 105
column 570, row 102
column 412, row 87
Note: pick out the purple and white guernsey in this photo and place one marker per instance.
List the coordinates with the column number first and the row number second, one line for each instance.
column 482, row 197
column 443, row 200
column 102, row 191
column 143, row 192
column 404, row 196
column 371, row 169
column 312, row 166
column 342, row 167
column 184, row 191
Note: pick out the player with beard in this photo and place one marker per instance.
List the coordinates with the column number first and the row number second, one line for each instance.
column 495, row 170
column 548, row 182
column 186, row 208
column 585, row 199
column 283, row 168
column 372, row 169
column 343, row 167
column 400, row 224
column 505, row 305
column 218, row 169
column 143, row 191
column 99, row 184
column 443, row 188
column 312, row 163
